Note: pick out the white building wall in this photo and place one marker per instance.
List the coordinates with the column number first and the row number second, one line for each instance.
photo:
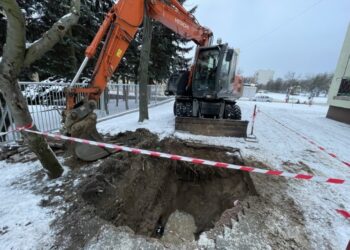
column 249, row 91
column 264, row 76
column 342, row 71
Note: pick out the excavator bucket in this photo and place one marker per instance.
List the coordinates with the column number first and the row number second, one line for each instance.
column 212, row 127
column 86, row 129
column 88, row 152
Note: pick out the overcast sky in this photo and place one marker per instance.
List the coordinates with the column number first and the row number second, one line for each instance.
column 302, row 36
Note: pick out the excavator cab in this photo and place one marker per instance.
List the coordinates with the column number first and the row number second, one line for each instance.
column 214, row 70
column 211, row 89
column 208, row 106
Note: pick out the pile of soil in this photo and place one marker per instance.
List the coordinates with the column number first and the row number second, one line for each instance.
column 129, row 194
column 142, row 192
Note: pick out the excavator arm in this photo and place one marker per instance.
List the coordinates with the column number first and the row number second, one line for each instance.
column 119, row 29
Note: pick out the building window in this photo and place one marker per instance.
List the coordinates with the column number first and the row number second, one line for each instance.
column 344, row 89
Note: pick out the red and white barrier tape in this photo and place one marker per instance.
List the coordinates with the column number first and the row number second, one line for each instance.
column 344, row 213
column 197, row 161
column 193, row 160
column 323, row 149
column 18, row 129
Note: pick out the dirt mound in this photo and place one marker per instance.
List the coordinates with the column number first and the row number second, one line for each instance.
column 141, row 192
column 127, row 200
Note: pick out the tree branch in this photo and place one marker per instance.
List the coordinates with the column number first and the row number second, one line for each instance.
column 14, row 58
column 15, row 39
column 36, row 50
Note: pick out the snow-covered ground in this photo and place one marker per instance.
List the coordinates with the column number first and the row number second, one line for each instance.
column 278, row 97
column 281, row 149
column 25, row 225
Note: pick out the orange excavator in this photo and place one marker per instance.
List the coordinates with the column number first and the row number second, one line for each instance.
column 118, row 30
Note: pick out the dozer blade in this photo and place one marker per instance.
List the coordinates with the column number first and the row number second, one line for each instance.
column 86, row 129
column 212, row 127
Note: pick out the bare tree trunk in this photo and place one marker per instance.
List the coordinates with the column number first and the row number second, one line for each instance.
column 15, row 57
column 21, row 115
column 144, row 62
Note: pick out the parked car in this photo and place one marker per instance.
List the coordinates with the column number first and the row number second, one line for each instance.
column 262, row 98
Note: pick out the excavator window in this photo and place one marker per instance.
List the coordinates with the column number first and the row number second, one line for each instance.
column 229, row 55
column 225, row 68
column 205, row 72
column 224, row 73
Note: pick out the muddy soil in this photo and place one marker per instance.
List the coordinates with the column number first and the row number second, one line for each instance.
column 138, row 194
column 141, row 192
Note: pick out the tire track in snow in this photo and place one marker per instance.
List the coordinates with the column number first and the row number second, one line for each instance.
column 319, row 157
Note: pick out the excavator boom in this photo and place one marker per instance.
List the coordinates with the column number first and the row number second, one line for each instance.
column 118, row 30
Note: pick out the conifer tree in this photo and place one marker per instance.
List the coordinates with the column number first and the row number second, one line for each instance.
column 167, row 52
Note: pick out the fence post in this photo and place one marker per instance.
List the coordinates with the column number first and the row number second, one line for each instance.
column 106, row 101
column 156, row 93
column 127, row 94
column 102, row 105
column 136, row 92
column 117, row 96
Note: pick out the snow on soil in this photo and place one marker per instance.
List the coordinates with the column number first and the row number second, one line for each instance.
column 279, row 97
column 281, row 149
column 26, row 225
column 23, row 223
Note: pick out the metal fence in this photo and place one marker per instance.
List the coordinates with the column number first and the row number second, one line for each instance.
column 46, row 101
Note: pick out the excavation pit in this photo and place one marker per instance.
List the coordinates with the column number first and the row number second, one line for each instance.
column 142, row 192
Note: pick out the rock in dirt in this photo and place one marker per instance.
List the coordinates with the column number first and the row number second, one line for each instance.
column 111, row 237
column 179, row 228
